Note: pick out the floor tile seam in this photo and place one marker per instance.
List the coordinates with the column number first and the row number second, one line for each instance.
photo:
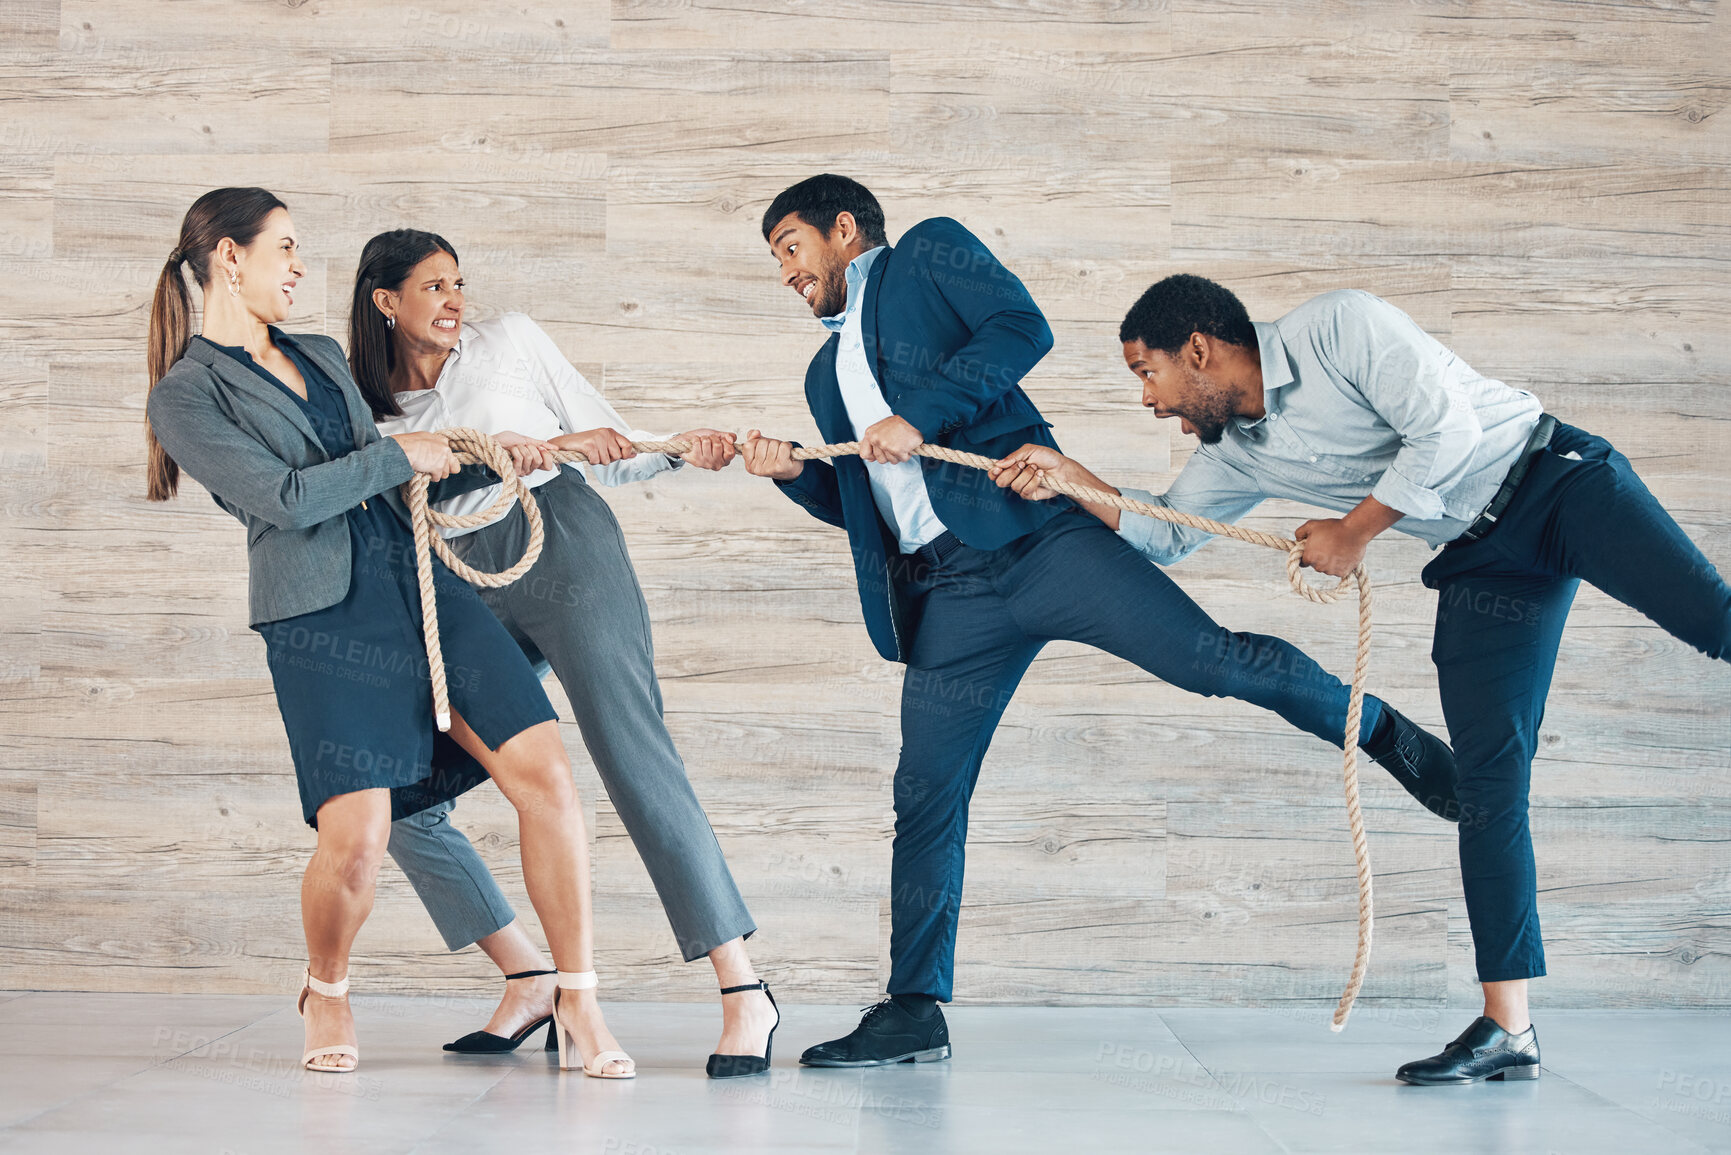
column 213, row 1040
column 1682, row 1139
column 15, row 1127
column 505, row 1075
column 1241, row 1109
column 147, row 1066
column 1212, row 1078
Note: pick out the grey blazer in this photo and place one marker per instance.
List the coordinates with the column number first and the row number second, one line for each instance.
column 250, row 445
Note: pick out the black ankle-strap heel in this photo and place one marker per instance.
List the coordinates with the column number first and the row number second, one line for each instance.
column 735, row 1066
column 487, row 1043
column 552, row 1027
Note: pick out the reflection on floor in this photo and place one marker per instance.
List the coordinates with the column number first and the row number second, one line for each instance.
column 186, row 1074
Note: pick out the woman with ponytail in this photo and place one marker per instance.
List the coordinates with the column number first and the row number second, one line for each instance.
column 271, row 424
column 423, row 365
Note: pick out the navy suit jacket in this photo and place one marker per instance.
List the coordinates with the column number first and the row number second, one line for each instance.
column 950, row 333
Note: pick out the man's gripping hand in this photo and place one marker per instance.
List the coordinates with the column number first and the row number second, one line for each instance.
column 1023, row 471
column 766, row 457
column 890, row 441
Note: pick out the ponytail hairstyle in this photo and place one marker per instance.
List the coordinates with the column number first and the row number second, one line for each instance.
column 386, row 262
column 236, row 213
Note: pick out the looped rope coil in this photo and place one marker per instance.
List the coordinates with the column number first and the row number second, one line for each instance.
column 474, row 447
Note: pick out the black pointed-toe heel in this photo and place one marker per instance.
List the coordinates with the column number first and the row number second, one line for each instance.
column 487, row 1043
column 736, row 1066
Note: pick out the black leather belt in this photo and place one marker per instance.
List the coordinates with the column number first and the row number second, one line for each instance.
column 940, row 547
column 1499, row 505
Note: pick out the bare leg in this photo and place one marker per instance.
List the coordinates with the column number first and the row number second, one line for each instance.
column 746, row 1017
column 525, row 1000
column 336, row 897
column 1506, row 1005
column 533, row 774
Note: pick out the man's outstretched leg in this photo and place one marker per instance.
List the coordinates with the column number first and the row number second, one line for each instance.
column 1077, row 580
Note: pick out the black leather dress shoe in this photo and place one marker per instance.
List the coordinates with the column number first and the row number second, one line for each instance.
column 886, row 1034
column 1484, row 1051
column 1420, row 761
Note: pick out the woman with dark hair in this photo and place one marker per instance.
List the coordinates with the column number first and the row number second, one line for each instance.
column 422, row 366
column 273, row 426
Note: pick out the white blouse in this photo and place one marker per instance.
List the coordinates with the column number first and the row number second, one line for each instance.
column 507, row 374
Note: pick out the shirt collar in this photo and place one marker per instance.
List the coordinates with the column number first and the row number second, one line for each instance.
column 464, row 334
column 445, row 369
column 239, row 352
column 857, row 271
column 1276, row 369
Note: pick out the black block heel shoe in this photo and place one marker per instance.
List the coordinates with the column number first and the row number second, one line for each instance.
column 487, row 1043
column 735, row 1066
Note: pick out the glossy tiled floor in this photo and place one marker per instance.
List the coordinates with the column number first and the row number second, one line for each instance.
column 183, row 1074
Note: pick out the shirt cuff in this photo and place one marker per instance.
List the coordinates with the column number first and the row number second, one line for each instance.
column 1397, row 492
column 652, row 463
column 647, row 465
column 1138, row 528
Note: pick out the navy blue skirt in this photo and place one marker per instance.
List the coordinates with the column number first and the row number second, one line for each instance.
column 352, row 684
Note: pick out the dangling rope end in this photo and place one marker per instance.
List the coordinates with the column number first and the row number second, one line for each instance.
column 444, row 721
column 1339, row 1023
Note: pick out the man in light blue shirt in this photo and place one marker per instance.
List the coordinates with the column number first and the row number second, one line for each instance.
column 1356, row 401
column 1347, row 404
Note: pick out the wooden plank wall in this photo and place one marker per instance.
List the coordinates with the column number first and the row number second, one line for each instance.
column 1544, row 186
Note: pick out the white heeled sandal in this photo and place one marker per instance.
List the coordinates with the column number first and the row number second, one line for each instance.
column 334, row 990
column 596, row 1067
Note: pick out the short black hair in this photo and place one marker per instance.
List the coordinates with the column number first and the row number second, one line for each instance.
column 820, row 199
column 1164, row 317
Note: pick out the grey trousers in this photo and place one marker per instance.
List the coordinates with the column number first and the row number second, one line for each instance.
column 581, row 610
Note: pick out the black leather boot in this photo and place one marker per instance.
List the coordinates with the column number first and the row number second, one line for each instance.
column 1484, row 1051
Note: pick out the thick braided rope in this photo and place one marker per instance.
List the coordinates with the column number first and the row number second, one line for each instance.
column 474, row 447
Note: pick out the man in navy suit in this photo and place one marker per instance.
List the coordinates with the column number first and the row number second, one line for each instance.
column 964, row 581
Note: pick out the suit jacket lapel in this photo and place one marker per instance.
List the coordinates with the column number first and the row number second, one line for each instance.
column 827, row 408
column 242, row 379
column 337, row 369
column 869, row 329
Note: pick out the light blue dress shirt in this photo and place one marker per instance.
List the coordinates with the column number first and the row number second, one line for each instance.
column 1360, row 402
column 898, row 490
